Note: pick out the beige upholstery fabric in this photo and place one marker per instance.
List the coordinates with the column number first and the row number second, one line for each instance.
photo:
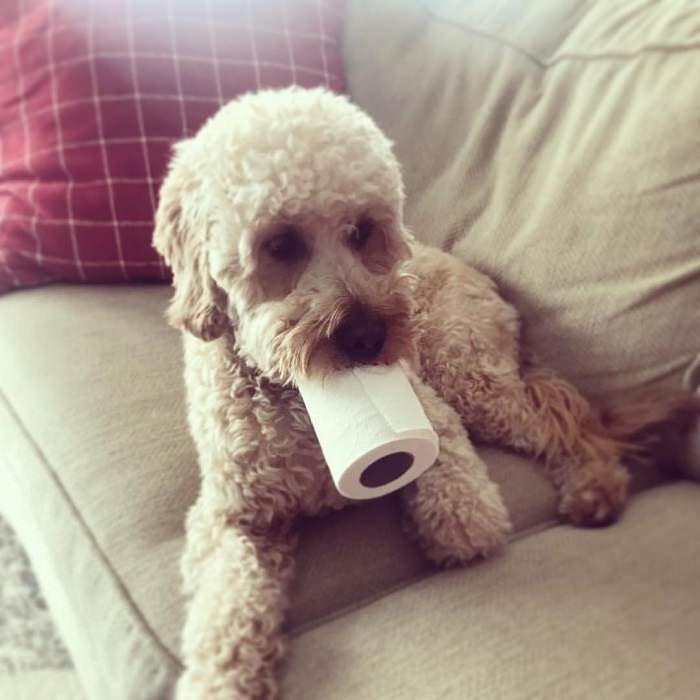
column 611, row 614
column 553, row 144
column 556, row 148
column 90, row 475
column 98, row 470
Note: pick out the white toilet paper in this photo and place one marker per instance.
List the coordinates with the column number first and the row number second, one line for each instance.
column 373, row 431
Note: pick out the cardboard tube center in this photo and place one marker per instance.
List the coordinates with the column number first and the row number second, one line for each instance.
column 386, row 469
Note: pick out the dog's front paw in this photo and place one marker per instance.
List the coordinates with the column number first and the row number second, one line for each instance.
column 452, row 531
column 223, row 684
column 595, row 498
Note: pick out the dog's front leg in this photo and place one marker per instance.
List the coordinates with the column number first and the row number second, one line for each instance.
column 232, row 640
column 453, row 510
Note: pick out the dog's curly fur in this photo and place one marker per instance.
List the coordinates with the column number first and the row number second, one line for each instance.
column 259, row 218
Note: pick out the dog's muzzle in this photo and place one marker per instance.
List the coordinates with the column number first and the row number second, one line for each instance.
column 361, row 335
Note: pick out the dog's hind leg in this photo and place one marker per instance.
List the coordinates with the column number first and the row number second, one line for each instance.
column 541, row 415
column 469, row 347
column 552, row 421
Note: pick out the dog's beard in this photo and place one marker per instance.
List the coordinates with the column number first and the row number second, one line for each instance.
column 293, row 339
column 309, row 349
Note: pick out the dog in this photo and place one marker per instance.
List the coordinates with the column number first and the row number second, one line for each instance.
column 282, row 221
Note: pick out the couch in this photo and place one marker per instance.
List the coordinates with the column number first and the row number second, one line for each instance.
column 555, row 145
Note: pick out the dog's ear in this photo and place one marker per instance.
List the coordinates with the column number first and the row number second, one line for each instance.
column 181, row 236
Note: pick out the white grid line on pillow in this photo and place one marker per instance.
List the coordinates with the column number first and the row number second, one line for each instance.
column 140, row 119
column 27, row 160
column 253, row 46
column 102, row 141
column 50, row 34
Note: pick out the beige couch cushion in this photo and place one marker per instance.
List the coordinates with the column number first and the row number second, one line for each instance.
column 575, row 614
column 555, row 145
column 98, row 470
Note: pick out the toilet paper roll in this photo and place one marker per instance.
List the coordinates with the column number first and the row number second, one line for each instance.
column 373, row 431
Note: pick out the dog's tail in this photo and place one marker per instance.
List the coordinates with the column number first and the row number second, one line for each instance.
column 651, row 426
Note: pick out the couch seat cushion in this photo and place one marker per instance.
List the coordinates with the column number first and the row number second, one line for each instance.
column 566, row 613
column 99, row 469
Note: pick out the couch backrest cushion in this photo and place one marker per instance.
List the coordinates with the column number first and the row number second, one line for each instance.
column 556, row 145
column 94, row 93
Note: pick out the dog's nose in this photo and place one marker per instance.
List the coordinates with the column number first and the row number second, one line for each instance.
column 361, row 335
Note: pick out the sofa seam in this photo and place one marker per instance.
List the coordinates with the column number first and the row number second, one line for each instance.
column 544, row 64
column 137, row 614
column 423, row 575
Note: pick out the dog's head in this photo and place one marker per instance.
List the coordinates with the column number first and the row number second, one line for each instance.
column 282, row 221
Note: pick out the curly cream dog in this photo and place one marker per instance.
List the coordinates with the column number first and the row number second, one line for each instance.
column 282, row 221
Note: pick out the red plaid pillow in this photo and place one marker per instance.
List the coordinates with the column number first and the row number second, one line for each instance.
column 92, row 95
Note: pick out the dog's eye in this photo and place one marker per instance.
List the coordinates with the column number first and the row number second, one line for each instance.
column 286, row 246
column 360, row 233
